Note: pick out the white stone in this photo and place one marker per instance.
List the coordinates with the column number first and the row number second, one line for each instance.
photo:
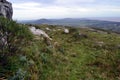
column 66, row 31
column 48, row 29
column 39, row 32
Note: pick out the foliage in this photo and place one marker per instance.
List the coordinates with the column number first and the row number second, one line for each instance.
column 83, row 54
column 12, row 39
column 12, row 33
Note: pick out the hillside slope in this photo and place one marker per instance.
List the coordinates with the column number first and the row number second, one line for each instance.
column 79, row 54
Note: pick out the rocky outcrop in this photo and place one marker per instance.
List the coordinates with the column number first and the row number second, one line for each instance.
column 39, row 32
column 6, row 9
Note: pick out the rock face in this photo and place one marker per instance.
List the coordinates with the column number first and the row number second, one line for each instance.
column 6, row 9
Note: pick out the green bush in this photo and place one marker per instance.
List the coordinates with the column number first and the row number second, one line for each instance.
column 13, row 37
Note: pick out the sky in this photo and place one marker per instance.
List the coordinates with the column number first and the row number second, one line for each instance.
column 56, row 9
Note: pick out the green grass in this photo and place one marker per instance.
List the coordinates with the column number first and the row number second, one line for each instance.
column 94, row 56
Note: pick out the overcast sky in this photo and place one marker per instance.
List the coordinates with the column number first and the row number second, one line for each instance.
column 36, row 9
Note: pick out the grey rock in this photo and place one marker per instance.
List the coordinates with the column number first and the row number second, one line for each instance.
column 118, row 46
column 66, row 31
column 6, row 9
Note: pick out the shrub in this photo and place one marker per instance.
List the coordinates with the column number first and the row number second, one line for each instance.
column 12, row 36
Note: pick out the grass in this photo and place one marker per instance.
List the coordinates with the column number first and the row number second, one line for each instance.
column 81, row 54
column 79, row 58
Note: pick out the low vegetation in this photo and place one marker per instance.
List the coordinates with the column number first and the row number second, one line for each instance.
column 81, row 54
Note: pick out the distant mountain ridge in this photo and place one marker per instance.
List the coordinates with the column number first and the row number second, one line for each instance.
column 79, row 22
column 113, row 19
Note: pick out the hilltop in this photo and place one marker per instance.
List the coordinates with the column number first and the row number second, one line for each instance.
column 65, row 49
column 71, row 54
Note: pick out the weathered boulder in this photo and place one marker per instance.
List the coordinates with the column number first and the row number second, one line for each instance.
column 39, row 32
column 6, row 9
column 66, row 31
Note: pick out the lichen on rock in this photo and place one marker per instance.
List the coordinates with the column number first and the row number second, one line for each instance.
column 6, row 9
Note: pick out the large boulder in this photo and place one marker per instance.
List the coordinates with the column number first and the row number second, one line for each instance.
column 39, row 32
column 6, row 9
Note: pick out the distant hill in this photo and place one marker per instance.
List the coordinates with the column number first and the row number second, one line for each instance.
column 114, row 19
column 80, row 22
